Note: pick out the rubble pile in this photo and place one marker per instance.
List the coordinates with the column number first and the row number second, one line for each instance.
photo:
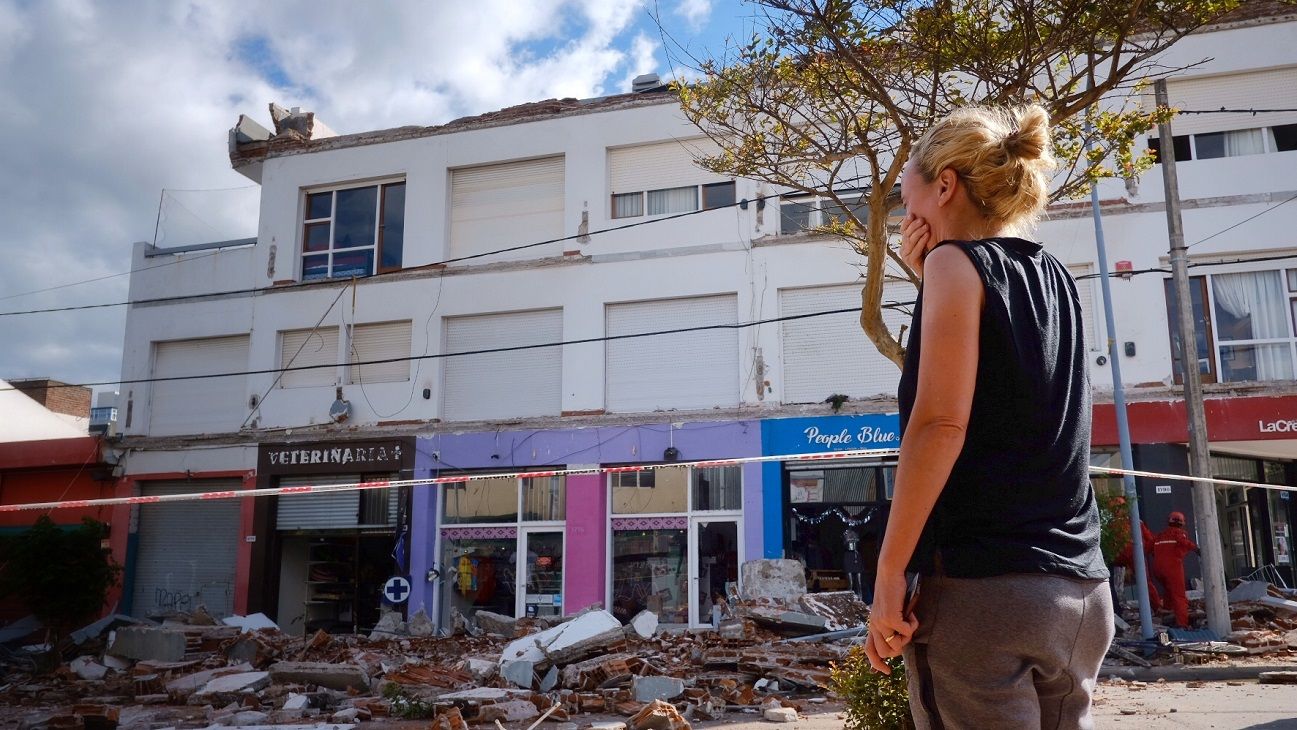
column 194, row 672
column 1263, row 621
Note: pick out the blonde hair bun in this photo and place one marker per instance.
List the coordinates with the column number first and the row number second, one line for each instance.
column 1029, row 139
column 1003, row 157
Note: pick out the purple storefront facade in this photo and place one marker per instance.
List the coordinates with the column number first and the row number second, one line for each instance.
column 669, row 540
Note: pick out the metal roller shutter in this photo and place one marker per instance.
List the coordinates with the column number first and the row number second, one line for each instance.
column 660, row 165
column 336, row 511
column 384, row 341
column 1269, row 89
column 497, row 206
column 307, row 347
column 203, row 405
column 829, row 355
column 504, row 384
column 187, row 551
column 681, row 371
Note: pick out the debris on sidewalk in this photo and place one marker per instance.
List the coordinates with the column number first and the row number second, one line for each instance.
column 194, row 671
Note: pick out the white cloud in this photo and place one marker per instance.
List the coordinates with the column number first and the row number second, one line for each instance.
column 695, row 12
column 100, row 109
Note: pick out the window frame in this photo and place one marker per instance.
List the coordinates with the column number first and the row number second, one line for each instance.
column 820, row 205
column 700, row 198
column 382, row 186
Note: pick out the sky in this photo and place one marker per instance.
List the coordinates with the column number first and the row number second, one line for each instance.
column 114, row 119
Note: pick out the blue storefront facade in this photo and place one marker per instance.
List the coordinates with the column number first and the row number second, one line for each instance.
column 808, row 505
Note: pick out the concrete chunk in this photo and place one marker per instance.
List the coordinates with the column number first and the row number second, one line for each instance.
column 420, row 625
column 196, row 681
column 550, row 680
column 245, row 718
column 231, row 683
column 511, row 711
column 255, row 622
column 585, row 634
column 495, row 623
column 145, row 642
column 645, row 624
column 519, row 672
column 778, row 579
column 647, row 689
column 323, row 674
column 483, row 670
column 87, row 668
column 781, row 714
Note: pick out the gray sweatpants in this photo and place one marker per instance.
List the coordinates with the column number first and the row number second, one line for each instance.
column 1013, row 651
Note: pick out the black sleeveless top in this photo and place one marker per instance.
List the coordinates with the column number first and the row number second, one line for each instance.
column 1019, row 498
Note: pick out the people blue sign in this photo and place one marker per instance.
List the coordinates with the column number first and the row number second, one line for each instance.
column 830, row 433
column 823, row 434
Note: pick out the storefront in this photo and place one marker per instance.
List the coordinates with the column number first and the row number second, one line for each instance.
column 330, row 554
column 1251, row 439
column 669, row 539
column 829, row 514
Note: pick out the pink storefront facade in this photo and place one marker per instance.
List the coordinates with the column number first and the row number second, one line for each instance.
column 667, row 540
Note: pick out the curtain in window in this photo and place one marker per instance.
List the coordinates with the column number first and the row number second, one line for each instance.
column 1244, row 142
column 672, row 200
column 1256, row 304
column 627, row 205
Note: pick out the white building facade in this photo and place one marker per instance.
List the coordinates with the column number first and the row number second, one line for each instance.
column 382, row 258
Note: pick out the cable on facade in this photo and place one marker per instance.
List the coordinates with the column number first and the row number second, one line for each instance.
column 511, row 348
column 420, row 267
column 1223, row 110
column 1245, row 220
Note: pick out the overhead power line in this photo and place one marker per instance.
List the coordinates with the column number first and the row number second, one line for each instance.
column 421, row 267
column 511, row 348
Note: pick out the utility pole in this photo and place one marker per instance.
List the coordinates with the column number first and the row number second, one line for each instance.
column 1204, row 495
column 1123, row 425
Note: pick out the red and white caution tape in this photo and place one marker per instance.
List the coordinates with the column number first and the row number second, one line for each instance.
column 464, row 478
column 455, row 479
column 1186, row 478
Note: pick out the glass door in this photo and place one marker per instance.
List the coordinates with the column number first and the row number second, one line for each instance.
column 716, row 555
column 540, row 572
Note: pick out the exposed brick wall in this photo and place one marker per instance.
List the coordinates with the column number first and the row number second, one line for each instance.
column 73, row 401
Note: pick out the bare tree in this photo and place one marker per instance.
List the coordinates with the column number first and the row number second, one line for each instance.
column 830, row 95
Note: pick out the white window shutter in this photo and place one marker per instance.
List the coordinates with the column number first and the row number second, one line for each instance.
column 1085, row 293
column 514, row 384
column 1268, row 89
column 300, row 348
column 677, row 371
column 382, row 341
column 660, row 165
column 831, row 354
column 203, row 405
column 504, row 205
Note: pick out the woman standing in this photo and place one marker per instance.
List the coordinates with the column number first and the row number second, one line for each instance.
column 993, row 504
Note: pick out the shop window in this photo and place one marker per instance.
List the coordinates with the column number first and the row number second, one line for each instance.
column 666, row 492
column 354, row 231
column 480, row 501
column 482, row 574
column 718, row 488
column 544, row 499
column 650, row 570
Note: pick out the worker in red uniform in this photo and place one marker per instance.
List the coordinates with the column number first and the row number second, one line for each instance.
column 1170, row 547
column 1126, row 559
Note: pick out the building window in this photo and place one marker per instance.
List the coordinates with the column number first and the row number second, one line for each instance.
column 1202, row 331
column 353, row 231
column 379, row 353
column 801, row 213
column 1247, row 334
column 314, row 349
column 1234, row 143
column 669, row 201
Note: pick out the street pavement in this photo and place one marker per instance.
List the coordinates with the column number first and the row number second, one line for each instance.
column 1218, row 705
